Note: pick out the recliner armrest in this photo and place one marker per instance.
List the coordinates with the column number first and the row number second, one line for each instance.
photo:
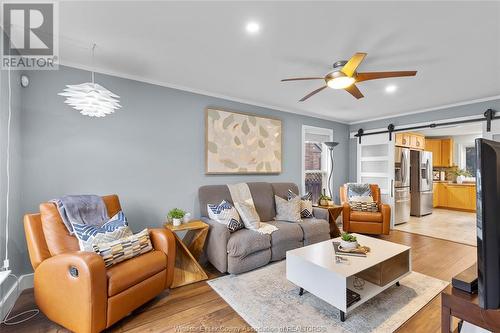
column 217, row 239
column 386, row 218
column 71, row 289
column 163, row 240
column 346, row 216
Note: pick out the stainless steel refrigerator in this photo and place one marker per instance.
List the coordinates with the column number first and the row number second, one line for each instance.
column 401, row 185
column 421, row 182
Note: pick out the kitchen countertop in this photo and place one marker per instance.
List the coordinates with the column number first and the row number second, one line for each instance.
column 454, row 184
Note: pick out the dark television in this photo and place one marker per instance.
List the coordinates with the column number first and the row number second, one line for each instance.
column 488, row 222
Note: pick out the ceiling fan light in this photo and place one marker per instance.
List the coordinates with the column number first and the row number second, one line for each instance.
column 340, row 82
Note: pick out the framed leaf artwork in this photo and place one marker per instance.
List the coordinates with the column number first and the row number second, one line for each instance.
column 238, row 143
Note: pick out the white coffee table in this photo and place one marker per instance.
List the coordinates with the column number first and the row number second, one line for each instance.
column 314, row 268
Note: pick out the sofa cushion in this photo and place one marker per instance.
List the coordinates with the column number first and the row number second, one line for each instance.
column 133, row 271
column 212, row 194
column 263, row 199
column 313, row 227
column 366, row 216
column 281, row 189
column 289, row 236
column 244, row 242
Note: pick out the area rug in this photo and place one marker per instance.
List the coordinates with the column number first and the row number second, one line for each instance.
column 455, row 226
column 268, row 302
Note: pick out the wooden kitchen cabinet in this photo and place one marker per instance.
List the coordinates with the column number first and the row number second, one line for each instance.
column 434, row 146
column 435, row 194
column 447, row 152
column 410, row 140
column 454, row 196
column 442, row 151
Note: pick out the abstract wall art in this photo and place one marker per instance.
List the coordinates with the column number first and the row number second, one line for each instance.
column 238, row 143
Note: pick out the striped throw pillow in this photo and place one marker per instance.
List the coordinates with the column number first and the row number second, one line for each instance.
column 364, row 206
column 124, row 248
column 306, row 205
column 88, row 235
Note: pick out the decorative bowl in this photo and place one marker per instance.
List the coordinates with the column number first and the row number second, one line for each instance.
column 348, row 245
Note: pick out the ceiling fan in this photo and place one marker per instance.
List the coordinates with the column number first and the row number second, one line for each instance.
column 344, row 76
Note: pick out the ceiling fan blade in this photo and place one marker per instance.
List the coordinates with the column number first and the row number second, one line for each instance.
column 353, row 63
column 353, row 90
column 360, row 77
column 303, row 78
column 312, row 93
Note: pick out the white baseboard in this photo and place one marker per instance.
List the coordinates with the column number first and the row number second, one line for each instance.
column 9, row 297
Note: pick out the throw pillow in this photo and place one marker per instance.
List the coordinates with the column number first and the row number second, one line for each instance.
column 306, row 205
column 364, row 206
column 248, row 214
column 124, row 248
column 226, row 214
column 359, row 192
column 287, row 210
column 88, row 235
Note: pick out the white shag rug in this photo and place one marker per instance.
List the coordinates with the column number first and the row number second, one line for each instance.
column 270, row 303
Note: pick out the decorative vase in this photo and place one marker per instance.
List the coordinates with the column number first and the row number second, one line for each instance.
column 348, row 245
column 177, row 222
column 186, row 218
column 460, row 179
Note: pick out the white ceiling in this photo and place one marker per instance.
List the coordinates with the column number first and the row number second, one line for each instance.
column 203, row 47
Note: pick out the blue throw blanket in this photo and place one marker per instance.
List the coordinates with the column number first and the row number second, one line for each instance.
column 81, row 209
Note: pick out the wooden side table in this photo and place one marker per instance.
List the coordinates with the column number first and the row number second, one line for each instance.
column 334, row 212
column 187, row 270
column 461, row 305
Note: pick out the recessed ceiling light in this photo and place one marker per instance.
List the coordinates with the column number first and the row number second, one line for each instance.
column 253, row 27
column 390, row 89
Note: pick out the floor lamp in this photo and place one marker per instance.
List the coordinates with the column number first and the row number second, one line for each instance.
column 330, row 146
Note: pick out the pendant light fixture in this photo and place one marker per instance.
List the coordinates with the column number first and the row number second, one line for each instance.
column 90, row 98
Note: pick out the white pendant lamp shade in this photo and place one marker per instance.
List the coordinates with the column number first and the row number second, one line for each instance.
column 91, row 99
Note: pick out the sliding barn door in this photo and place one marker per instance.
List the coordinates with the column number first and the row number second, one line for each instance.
column 375, row 165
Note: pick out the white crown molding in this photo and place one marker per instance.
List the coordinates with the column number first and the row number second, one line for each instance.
column 445, row 106
column 199, row 91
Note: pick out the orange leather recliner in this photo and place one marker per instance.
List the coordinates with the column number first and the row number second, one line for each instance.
column 75, row 290
column 375, row 223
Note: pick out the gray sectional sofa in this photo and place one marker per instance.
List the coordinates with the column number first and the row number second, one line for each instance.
column 245, row 249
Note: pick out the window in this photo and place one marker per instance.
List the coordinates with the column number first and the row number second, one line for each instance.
column 470, row 160
column 316, row 160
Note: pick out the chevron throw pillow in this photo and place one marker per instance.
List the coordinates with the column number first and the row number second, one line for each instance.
column 364, row 206
column 226, row 214
column 124, row 248
column 88, row 235
column 306, row 206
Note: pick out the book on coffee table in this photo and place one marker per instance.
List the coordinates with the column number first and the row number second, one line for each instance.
column 339, row 251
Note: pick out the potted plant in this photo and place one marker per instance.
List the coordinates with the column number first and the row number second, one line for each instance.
column 461, row 174
column 348, row 241
column 325, row 200
column 176, row 216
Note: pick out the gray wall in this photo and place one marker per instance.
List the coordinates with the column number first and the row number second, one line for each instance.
column 151, row 152
column 445, row 113
column 17, row 244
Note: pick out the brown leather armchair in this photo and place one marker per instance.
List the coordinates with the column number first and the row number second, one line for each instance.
column 75, row 290
column 375, row 223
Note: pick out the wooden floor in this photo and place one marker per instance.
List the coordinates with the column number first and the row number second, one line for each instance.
column 195, row 307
